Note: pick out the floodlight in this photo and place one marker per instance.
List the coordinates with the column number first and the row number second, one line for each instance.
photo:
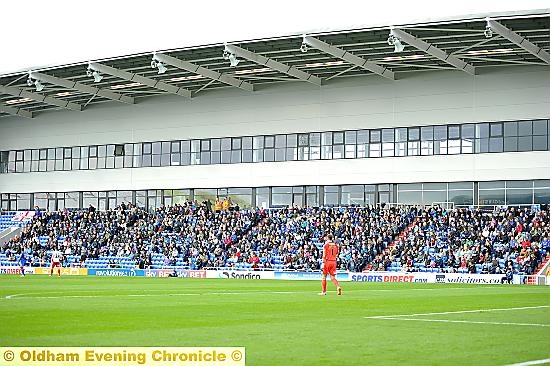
column 396, row 42
column 488, row 32
column 95, row 74
column 155, row 64
column 233, row 60
column 36, row 83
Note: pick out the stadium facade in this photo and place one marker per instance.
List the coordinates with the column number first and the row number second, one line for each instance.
column 469, row 126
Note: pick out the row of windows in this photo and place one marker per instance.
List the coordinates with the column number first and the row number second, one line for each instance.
column 407, row 141
column 459, row 193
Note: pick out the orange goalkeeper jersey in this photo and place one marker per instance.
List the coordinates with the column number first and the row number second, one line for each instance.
column 330, row 252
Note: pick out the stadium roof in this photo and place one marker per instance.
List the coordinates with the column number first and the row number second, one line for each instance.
column 470, row 44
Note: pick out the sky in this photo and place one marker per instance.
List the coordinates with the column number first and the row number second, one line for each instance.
column 38, row 33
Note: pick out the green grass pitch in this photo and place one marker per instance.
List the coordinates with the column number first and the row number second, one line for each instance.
column 283, row 322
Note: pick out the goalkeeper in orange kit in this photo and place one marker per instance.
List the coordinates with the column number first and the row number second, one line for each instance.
column 330, row 255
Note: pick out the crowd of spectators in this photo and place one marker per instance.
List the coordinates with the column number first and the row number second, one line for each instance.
column 473, row 241
column 203, row 235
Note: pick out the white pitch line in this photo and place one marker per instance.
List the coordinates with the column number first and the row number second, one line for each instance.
column 457, row 312
column 466, row 321
column 529, row 363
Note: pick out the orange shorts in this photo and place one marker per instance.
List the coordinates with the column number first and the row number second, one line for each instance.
column 330, row 268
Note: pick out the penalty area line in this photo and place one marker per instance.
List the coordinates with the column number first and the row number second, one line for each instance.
column 457, row 312
column 529, row 363
column 465, row 322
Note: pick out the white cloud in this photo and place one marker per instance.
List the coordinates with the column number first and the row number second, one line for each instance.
column 43, row 33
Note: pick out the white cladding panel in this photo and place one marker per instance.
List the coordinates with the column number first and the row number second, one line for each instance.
column 497, row 94
column 479, row 167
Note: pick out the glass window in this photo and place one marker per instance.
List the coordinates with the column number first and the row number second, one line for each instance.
column 269, row 154
column 388, row 135
column 236, row 143
column 468, row 131
column 146, row 148
column 482, row 145
column 461, row 197
column 215, row 157
column 205, row 145
column 315, row 139
column 195, row 146
column 269, row 141
column 353, row 195
column 510, row 144
column 454, row 132
column 226, row 144
column 519, row 196
column 525, row 143
column 186, row 146
column 338, row 138
column 496, row 144
column 427, row 133
column 362, row 136
column 235, row 156
column 375, row 136
column 496, row 129
column 400, row 134
column 262, row 197
column 258, row 142
column 110, row 150
column 331, row 196
column 482, row 130
column 540, row 127
column 519, row 184
column 351, row 137
column 247, row 156
column 246, row 143
column 388, row 149
column 205, row 158
column 414, row 134
column 156, row 147
column 258, row 156
column 491, row 197
column 525, row 128
column 542, row 195
column 540, row 143
column 491, row 185
column 375, row 150
column 280, row 154
column 280, row 141
column 326, row 138
column 413, row 148
column 440, row 133
column 303, row 139
column 461, row 185
column 44, row 154
column 409, row 197
column 215, row 144
column 510, row 129
column 350, row 152
column 338, row 151
column 101, row 151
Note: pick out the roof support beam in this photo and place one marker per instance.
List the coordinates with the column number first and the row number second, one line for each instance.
column 349, row 57
column 83, row 88
column 518, row 40
column 155, row 84
column 272, row 64
column 18, row 92
column 200, row 70
column 15, row 111
column 433, row 50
